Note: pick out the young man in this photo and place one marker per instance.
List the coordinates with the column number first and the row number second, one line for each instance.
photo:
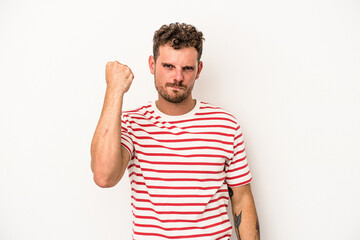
column 184, row 157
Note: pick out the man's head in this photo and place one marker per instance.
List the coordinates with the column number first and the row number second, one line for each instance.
column 176, row 62
column 178, row 36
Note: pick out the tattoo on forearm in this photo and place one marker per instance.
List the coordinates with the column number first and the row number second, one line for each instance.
column 258, row 228
column 231, row 193
column 237, row 220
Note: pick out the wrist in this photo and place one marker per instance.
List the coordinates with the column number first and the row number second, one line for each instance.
column 114, row 92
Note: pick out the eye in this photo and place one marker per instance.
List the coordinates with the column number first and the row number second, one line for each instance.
column 169, row 66
column 188, row 68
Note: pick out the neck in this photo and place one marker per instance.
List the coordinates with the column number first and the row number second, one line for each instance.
column 174, row 109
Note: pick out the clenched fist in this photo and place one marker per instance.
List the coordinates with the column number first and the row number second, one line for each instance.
column 118, row 77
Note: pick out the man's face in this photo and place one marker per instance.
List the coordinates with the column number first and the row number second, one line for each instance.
column 175, row 72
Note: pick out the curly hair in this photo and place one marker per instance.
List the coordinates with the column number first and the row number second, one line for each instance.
column 178, row 36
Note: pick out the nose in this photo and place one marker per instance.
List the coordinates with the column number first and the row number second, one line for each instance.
column 179, row 75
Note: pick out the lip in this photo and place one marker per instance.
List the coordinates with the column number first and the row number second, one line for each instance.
column 176, row 88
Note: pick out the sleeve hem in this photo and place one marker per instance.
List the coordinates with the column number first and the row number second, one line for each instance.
column 127, row 148
column 240, row 184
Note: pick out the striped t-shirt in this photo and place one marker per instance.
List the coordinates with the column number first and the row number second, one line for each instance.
column 180, row 169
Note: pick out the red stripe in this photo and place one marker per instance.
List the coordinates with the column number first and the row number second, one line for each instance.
column 178, row 195
column 238, row 160
column 146, row 118
column 125, row 138
column 179, row 220
column 181, row 148
column 146, row 112
column 138, row 109
column 183, row 236
column 182, row 140
column 210, row 113
column 209, row 126
column 139, row 114
column 180, row 212
column 131, row 165
column 227, row 236
column 239, row 144
column 126, row 147
column 169, row 204
column 180, row 155
column 182, row 163
column 181, row 228
column 178, row 171
column 146, row 125
column 240, row 184
column 180, row 204
column 211, row 107
column 202, row 119
column 238, row 176
column 238, row 136
column 180, row 133
column 239, row 168
column 153, row 124
column 178, row 179
column 175, row 187
column 124, row 130
column 241, row 151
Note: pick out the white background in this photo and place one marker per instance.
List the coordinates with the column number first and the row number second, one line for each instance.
column 288, row 70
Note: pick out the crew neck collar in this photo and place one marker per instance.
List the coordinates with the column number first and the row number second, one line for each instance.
column 176, row 117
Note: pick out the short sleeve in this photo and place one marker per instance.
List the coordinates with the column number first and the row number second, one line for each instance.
column 237, row 169
column 126, row 140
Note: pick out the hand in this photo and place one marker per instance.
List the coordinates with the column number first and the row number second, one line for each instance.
column 118, row 77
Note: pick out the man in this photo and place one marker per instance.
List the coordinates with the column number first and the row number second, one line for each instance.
column 185, row 157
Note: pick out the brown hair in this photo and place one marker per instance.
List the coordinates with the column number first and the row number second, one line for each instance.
column 178, row 36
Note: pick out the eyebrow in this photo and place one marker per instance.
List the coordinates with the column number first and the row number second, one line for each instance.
column 163, row 63
column 187, row 66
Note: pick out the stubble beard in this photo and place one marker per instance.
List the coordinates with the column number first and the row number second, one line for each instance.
column 176, row 97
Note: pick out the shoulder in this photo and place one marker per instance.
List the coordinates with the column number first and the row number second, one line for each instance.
column 208, row 109
column 138, row 111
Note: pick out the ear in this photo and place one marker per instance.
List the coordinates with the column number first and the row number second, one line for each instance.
column 199, row 69
column 152, row 64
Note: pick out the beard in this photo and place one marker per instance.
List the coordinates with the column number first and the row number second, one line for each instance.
column 174, row 96
column 171, row 95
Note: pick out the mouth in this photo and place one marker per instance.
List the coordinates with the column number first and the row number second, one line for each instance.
column 176, row 87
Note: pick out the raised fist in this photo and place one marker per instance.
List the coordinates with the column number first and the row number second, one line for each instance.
column 118, row 77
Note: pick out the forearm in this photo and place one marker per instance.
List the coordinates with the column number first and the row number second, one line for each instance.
column 106, row 159
column 245, row 217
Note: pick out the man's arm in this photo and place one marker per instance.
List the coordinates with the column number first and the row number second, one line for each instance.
column 243, row 208
column 108, row 158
